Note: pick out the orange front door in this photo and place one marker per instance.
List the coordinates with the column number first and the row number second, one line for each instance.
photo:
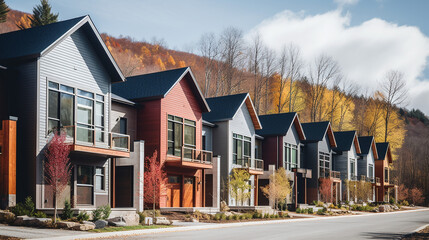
column 188, row 192
column 173, row 191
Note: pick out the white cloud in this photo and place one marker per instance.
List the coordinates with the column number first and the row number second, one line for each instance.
column 365, row 52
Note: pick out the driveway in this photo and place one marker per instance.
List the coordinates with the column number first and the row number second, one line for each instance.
column 26, row 232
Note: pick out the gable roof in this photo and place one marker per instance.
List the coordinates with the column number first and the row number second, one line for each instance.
column 345, row 140
column 157, row 85
column 122, row 100
column 367, row 143
column 279, row 124
column 383, row 150
column 38, row 41
column 224, row 108
column 316, row 131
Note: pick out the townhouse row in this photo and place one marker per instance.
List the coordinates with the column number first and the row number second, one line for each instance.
column 62, row 76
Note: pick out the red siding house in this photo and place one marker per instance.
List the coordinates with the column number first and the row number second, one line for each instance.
column 169, row 120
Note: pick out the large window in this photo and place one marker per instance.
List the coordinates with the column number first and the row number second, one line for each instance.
column 181, row 132
column 241, row 150
column 258, row 149
column 324, row 164
column 90, row 112
column 85, row 184
column 60, row 107
column 386, row 174
column 290, row 156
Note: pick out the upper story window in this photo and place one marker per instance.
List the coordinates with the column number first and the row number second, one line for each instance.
column 258, row 149
column 290, row 156
column 241, row 149
column 371, row 171
column 181, row 133
column 352, row 167
column 89, row 116
column 324, row 164
column 386, row 174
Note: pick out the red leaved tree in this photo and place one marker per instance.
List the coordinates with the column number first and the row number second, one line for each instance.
column 57, row 167
column 325, row 189
column 403, row 192
column 154, row 178
column 416, row 196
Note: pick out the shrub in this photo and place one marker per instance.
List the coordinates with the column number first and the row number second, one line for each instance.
column 67, row 212
column 320, row 204
column 257, row 215
column 223, row 216
column 332, row 206
column 26, row 208
column 106, row 211
column 236, row 217
column 310, row 210
column 392, row 200
column 198, row 215
column 266, row 215
column 97, row 214
column 217, row 217
column 298, row 210
column 40, row 214
column 82, row 216
column 142, row 216
column 405, row 203
column 315, row 202
column 320, row 212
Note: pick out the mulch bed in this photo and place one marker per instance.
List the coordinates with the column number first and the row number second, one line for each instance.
column 8, row 238
column 423, row 234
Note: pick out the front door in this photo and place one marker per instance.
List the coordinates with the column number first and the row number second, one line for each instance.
column 124, row 186
column 173, row 191
column 188, row 192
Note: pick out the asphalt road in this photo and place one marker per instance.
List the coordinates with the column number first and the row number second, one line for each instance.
column 375, row 226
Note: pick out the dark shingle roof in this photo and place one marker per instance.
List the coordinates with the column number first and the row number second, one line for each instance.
column 315, row 131
column 276, row 124
column 224, row 108
column 32, row 41
column 152, row 85
column 382, row 150
column 344, row 140
column 365, row 144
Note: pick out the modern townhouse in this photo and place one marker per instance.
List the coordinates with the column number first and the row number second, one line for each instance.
column 382, row 171
column 346, row 160
column 59, row 78
column 317, row 156
column 366, row 163
column 169, row 119
column 231, row 124
column 282, row 147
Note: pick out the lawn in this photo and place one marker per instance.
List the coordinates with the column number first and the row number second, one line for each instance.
column 128, row 228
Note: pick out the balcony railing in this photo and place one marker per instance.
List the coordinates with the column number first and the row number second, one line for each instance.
column 354, row 178
column 251, row 163
column 330, row 174
column 196, row 155
column 370, row 179
column 363, row 178
column 84, row 136
column 377, row 180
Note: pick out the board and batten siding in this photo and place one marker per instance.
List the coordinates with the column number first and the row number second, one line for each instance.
column 73, row 62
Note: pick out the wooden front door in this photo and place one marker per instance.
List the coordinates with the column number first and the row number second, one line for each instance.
column 173, row 191
column 124, row 186
column 188, row 192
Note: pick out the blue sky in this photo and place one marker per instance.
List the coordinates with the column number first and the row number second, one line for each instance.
column 367, row 37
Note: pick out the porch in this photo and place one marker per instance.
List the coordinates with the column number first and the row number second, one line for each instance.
column 190, row 158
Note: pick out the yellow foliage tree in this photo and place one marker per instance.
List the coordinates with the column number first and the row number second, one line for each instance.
column 24, row 22
column 160, row 64
column 280, row 89
column 171, row 60
column 279, row 188
column 182, row 64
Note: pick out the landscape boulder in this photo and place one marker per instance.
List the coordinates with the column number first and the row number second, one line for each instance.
column 42, row 222
column 131, row 219
column 101, row 224
column 66, row 225
column 6, row 216
column 118, row 224
column 162, row 221
column 24, row 221
column 83, row 227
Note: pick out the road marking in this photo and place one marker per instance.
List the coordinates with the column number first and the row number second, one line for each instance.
column 208, row 227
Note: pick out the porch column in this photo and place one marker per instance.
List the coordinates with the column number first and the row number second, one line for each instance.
column 296, row 189
column 113, row 177
column 8, row 163
column 256, row 191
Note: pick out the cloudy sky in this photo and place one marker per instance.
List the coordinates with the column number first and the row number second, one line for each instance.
column 367, row 37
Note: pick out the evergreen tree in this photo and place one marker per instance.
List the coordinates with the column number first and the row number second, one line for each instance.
column 4, row 9
column 42, row 14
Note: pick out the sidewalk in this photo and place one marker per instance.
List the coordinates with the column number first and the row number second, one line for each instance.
column 28, row 232
column 209, row 226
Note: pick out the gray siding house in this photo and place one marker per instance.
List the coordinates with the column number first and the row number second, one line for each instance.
column 346, row 159
column 62, row 75
column 366, row 162
column 317, row 156
column 233, row 124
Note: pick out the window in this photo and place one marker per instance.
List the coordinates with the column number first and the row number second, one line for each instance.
column 386, row 174
column 99, row 179
column 352, row 167
column 371, row 171
column 60, row 107
column 241, row 150
column 85, row 185
column 174, row 179
column 204, row 142
column 123, row 123
column 290, row 157
column 181, row 132
column 324, row 164
column 258, row 148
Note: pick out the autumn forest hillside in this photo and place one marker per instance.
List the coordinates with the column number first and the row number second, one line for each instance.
column 282, row 82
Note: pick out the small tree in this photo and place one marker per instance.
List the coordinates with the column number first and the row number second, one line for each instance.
column 325, row 189
column 57, row 167
column 239, row 185
column 363, row 191
column 4, row 9
column 403, row 192
column 154, row 178
column 279, row 188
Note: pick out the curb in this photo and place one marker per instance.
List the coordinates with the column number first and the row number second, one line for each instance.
column 215, row 226
column 415, row 231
